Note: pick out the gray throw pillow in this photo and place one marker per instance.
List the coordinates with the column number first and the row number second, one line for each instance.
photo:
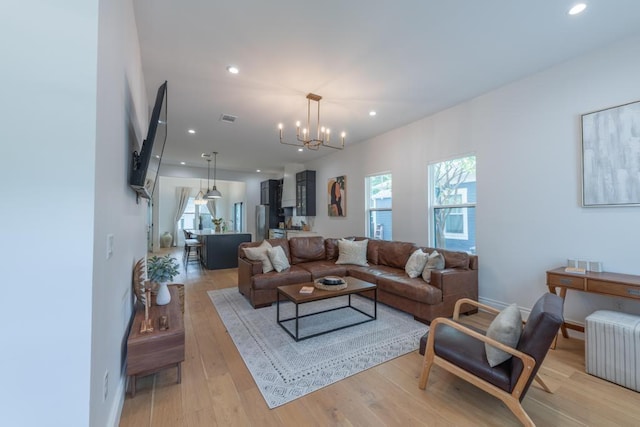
column 506, row 328
column 415, row 263
column 352, row 252
column 434, row 262
column 278, row 258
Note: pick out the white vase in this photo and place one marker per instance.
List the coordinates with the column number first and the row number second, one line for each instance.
column 164, row 296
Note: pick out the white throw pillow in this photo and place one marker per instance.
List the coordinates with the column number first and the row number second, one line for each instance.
column 416, row 262
column 352, row 252
column 278, row 258
column 505, row 328
column 434, row 262
column 259, row 253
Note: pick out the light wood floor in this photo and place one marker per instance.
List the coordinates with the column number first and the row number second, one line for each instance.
column 218, row 390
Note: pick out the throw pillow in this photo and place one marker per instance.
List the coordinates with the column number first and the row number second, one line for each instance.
column 278, row 258
column 434, row 262
column 416, row 263
column 259, row 253
column 352, row 252
column 505, row 328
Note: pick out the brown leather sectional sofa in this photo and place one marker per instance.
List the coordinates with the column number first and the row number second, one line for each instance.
column 314, row 257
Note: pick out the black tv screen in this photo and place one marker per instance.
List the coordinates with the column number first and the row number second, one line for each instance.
column 146, row 164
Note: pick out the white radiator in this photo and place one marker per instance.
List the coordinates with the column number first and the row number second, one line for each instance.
column 612, row 347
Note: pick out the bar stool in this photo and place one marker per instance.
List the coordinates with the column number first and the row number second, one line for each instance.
column 191, row 246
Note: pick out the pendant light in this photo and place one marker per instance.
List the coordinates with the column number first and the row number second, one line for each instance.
column 213, row 193
column 200, row 197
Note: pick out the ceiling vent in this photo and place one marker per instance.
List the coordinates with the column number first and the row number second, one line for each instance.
column 228, row 118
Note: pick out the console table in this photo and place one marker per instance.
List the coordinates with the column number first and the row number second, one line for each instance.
column 613, row 284
column 153, row 351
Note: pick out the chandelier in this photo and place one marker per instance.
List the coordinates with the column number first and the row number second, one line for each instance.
column 304, row 135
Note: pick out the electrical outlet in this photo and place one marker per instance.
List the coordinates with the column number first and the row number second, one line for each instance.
column 619, row 305
column 105, row 388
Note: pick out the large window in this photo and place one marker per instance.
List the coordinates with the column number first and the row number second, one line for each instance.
column 193, row 212
column 453, row 204
column 379, row 215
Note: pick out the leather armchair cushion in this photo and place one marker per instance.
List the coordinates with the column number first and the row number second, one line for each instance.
column 272, row 280
column 324, row 268
column 369, row 274
column 413, row 289
column 469, row 354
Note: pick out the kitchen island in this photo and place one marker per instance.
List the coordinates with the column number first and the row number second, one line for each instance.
column 220, row 250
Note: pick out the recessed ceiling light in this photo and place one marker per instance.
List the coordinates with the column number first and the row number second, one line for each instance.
column 258, row 170
column 157, row 156
column 233, row 69
column 300, row 150
column 191, row 131
column 577, row 8
column 182, row 163
column 372, row 113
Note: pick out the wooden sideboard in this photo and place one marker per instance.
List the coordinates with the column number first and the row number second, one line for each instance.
column 153, row 351
column 612, row 284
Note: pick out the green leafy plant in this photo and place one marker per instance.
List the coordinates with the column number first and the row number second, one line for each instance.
column 162, row 269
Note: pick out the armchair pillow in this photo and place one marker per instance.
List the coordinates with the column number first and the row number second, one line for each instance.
column 352, row 252
column 434, row 262
column 505, row 328
column 259, row 253
column 415, row 264
column 278, row 258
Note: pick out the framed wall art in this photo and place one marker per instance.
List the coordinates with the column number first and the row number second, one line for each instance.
column 611, row 156
column 337, row 196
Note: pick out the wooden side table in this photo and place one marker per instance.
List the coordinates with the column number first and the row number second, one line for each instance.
column 612, row 284
column 151, row 352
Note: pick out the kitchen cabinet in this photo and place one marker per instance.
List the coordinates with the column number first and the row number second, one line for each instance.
column 306, row 193
column 269, row 192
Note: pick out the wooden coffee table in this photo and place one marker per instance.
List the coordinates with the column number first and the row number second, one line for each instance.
column 292, row 293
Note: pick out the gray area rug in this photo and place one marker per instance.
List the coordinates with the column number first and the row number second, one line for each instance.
column 285, row 370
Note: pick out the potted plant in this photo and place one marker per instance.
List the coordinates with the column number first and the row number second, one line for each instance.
column 162, row 270
column 217, row 222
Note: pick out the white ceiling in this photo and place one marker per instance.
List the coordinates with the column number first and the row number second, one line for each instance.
column 405, row 59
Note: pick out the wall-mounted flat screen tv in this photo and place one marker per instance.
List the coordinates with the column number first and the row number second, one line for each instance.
column 146, row 164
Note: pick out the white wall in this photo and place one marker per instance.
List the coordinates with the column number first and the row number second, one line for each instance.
column 122, row 121
column 73, row 101
column 48, row 110
column 527, row 140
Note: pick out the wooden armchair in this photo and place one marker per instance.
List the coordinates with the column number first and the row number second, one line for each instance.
column 461, row 350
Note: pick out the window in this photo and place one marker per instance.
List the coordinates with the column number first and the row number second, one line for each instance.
column 379, row 214
column 188, row 218
column 453, row 204
column 237, row 217
column 193, row 212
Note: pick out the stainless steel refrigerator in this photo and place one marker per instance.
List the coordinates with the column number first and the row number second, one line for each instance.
column 262, row 222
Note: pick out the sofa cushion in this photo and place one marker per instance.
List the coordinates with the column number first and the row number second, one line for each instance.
column 259, row 253
column 272, row 280
column 278, row 258
column 305, row 249
column 352, row 252
column 416, row 262
column 413, row 289
column 394, row 254
column 324, row 268
column 453, row 259
column 331, row 249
